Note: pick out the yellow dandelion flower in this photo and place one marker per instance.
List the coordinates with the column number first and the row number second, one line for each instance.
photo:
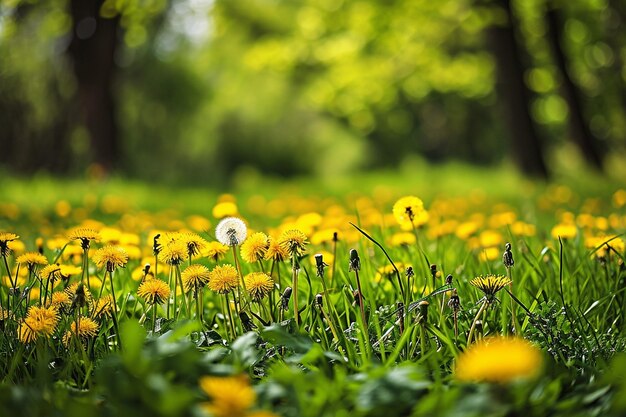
column 103, row 307
column 490, row 284
column 223, row 279
column 255, row 247
column 5, row 239
column 195, row 276
column 194, row 243
column 215, row 251
column 564, row 230
column 259, row 285
column 229, row 396
column 276, row 252
column 51, row 272
column 83, row 328
column 32, row 259
column 85, row 235
column 402, row 239
column 60, row 299
column 69, row 270
column 79, row 295
column 39, row 322
column 410, row 211
column 498, row 359
column 110, row 257
column 154, row 291
column 225, row 209
column 293, row 241
column 174, row 252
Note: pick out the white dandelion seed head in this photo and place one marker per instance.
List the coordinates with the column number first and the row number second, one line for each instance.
column 231, row 231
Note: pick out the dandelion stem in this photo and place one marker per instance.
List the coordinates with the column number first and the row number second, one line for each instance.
column 482, row 308
column 294, row 285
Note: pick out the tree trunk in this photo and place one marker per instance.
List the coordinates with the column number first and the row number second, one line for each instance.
column 514, row 96
column 92, row 50
column 578, row 128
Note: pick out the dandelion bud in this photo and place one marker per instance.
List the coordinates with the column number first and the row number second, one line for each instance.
column 320, row 264
column 423, row 312
column 449, row 279
column 335, row 237
column 355, row 261
column 146, row 269
column 284, row 299
column 507, row 256
column 156, row 246
column 319, row 300
column 455, row 301
column 357, row 297
column 433, row 270
column 409, row 272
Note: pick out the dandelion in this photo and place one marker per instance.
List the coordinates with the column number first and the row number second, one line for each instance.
column 215, row 251
column 5, row 238
column 193, row 242
column 223, row 279
column 259, row 285
column 60, row 300
column 276, row 252
column 231, row 231
column 79, row 295
column 83, row 328
column 174, row 252
column 103, row 307
column 110, row 258
column 32, row 259
column 498, row 359
column 85, row 235
column 255, row 247
column 410, row 211
column 195, row 276
column 293, row 241
column 490, row 284
column 39, row 322
column 51, row 273
column 154, row 291
column 229, row 396
column 564, row 231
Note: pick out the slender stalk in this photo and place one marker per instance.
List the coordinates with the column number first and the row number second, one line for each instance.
column 294, row 285
column 482, row 308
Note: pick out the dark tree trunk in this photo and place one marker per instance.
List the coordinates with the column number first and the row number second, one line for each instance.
column 578, row 128
column 92, row 50
column 514, row 96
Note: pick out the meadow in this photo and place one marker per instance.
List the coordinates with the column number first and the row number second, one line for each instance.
column 408, row 293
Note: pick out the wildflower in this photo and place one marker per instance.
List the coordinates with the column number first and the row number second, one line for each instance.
column 259, row 285
column 402, row 239
column 293, row 241
column 83, row 328
column 507, row 256
column 355, row 261
column 229, row 396
column 51, row 273
column 154, row 291
column 174, row 253
column 320, row 264
column 32, row 259
column 255, row 247
column 194, row 243
column 195, row 276
column 103, row 307
column 564, row 231
column 110, row 257
column 85, row 235
column 223, row 279
column 490, row 284
column 498, row 359
column 5, row 238
column 40, row 321
column 231, row 231
column 225, row 209
column 215, row 251
column 410, row 211
column 60, row 300
column 276, row 252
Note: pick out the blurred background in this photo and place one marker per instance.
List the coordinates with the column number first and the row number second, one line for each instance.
column 202, row 91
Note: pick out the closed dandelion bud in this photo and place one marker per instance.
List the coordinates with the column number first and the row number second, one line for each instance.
column 320, row 264
column 355, row 261
column 284, row 299
column 357, row 297
column 247, row 324
column 335, row 237
column 449, row 279
column 423, row 312
column 507, row 257
column 156, row 246
column 146, row 269
column 433, row 270
column 409, row 272
column 319, row 300
column 455, row 302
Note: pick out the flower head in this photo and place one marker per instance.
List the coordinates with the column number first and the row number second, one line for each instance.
column 32, row 259
column 195, row 276
column 154, row 291
column 293, row 241
column 259, row 285
column 51, row 272
column 5, row 238
column 231, row 231
column 223, row 279
column 193, row 241
column 490, row 284
column 103, row 307
column 215, row 251
column 79, row 295
column 85, row 235
column 83, row 328
column 174, row 252
column 276, row 252
column 410, row 211
column 498, row 359
column 255, row 247
column 229, row 396
column 110, row 257
column 39, row 322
